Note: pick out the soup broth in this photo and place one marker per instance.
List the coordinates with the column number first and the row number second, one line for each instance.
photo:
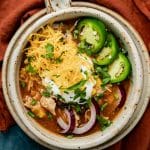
column 74, row 76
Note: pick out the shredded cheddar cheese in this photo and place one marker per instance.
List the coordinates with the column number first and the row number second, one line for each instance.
column 65, row 73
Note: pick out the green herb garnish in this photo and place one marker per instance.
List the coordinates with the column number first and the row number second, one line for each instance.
column 49, row 115
column 70, row 136
column 33, row 102
column 102, row 73
column 56, row 75
column 30, row 69
column 46, row 93
column 116, row 96
column 58, row 60
column 75, row 34
column 30, row 59
column 105, row 81
column 49, row 47
column 103, row 106
column 77, row 85
column 75, row 106
column 47, row 56
column 22, row 84
column 99, row 96
column 103, row 122
column 81, row 94
column 89, row 102
column 84, row 47
column 59, row 97
column 49, row 51
column 66, row 92
column 31, row 114
column 78, row 109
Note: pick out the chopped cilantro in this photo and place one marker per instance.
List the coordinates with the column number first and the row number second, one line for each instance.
column 56, row 75
column 49, row 115
column 33, row 102
column 78, row 109
column 103, row 122
column 49, row 47
column 105, row 81
column 46, row 92
column 89, row 102
column 83, row 46
column 116, row 96
column 105, row 69
column 22, row 84
column 66, row 92
column 102, row 73
column 31, row 114
column 30, row 59
column 47, row 56
column 30, row 69
column 70, row 136
column 81, row 94
column 99, row 96
column 103, row 106
column 58, row 60
column 59, row 97
column 75, row 34
column 77, row 85
column 75, row 106
column 49, row 51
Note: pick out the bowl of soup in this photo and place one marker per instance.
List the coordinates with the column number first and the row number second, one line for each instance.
column 74, row 78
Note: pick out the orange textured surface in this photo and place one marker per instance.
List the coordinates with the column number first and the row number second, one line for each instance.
column 14, row 12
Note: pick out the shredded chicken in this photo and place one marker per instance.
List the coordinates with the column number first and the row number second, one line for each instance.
column 87, row 115
column 77, row 119
column 49, row 104
column 30, row 85
column 36, row 109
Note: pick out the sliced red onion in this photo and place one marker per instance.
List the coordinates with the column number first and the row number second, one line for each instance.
column 87, row 126
column 62, row 124
column 122, row 96
column 67, row 128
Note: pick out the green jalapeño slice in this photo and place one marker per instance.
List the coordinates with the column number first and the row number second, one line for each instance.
column 109, row 51
column 119, row 69
column 91, row 34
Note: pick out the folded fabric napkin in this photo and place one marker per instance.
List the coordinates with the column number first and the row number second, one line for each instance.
column 14, row 12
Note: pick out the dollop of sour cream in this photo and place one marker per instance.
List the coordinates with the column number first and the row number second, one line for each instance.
column 49, row 83
column 69, row 96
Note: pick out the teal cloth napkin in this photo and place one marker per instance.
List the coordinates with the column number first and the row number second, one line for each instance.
column 15, row 139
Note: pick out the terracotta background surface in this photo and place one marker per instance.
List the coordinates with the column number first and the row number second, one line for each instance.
column 14, row 12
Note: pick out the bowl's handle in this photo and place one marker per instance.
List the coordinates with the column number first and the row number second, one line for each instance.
column 54, row 5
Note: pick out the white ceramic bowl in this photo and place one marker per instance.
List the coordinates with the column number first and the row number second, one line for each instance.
column 11, row 81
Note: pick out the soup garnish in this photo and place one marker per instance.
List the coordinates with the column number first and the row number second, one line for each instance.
column 92, row 35
column 74, row 78
column 109, row 52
